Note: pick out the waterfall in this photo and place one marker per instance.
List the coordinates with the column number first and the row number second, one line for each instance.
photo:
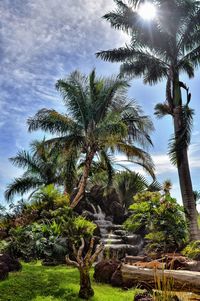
column 94, row 209
column 117, row 241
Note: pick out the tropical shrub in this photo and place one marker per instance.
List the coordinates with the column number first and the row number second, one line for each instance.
column 37, row 241
column 3, row 246
column 50, row 238
column 48, row 197
column 160, row 219
column 192, row 250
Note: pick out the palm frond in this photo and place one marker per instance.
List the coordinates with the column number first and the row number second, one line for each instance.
column 162, row 109
column 182, row 139
column 109, row 91
column 137, row 156
column 107, row 160
column 50, row 121
column 74, row 91
column 21, row 186
column 24, row 159
column 154, row 186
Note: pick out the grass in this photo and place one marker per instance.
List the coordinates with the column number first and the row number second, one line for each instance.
column 39, row 283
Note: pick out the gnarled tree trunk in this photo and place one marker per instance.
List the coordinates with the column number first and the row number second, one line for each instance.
column 86, row 290
column 84, row 264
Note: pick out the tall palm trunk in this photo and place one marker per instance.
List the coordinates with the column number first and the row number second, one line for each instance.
column 83, row 181
column 183, row 167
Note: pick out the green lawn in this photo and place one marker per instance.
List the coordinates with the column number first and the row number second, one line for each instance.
column 38, row 283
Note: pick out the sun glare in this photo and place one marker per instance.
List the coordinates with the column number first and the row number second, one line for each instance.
column 147, row 11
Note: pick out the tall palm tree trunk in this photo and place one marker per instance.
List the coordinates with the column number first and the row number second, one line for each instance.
column 185, row 179
column 83, row 181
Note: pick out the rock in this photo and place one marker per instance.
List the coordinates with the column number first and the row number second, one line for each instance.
column 3, row 271
column 116, row 279
column 13, row 264
column 193, row 266
column 133, row 259
column 3, row 234
column 88, row 215
column 143, row 297
column 116, row 207
column 110, row 204
column 155, row 264
column 104, row 270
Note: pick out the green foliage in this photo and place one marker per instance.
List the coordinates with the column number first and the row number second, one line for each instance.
column 50, row 198
column 38, row 241
column 83, row 226
column 128, row 184
column 192, row 250
column 99, row 119
column 41, row 168
column 52, row 235
column 3, row 246
column 39, row 283
column 160, row 219
column 160, row 50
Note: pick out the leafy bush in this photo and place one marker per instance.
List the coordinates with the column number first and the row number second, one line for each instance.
column 83, row 226
column 161, row 221
column 3, row 246
column 37, row 241
column 49, row 197
column 192, row 250
column 44, row 229
column 49, row 239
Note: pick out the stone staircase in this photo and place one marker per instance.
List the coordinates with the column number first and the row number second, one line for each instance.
column 117, row 241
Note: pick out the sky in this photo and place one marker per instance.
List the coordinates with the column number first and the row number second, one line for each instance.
column 43, row 41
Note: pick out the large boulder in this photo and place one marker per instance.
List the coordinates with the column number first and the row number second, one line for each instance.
column 3, row 271
column 116, row 279
column 13, row 264
column 110, row 204
column 3, row 234
column 104, row 270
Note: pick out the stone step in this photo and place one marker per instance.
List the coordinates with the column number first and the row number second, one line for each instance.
column 133, row 239
column 112, row 236
column 103, row 222
column 103, row 226
column 116, row 227
column 112, row 241
column 120, row 232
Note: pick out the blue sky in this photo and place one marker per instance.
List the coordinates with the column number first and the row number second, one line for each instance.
column 43, row 41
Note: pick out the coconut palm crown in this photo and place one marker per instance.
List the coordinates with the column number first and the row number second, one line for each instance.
column 99, row 118
column 162, row 49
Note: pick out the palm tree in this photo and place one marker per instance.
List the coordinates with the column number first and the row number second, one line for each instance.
column 40, row 169
column 99, row 118
column 162, row 49
column 129, row 183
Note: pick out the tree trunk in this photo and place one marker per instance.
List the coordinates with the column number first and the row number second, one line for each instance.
column 172, row 280
column 86, row 290
column 186, row 183
column 183, row 164
column 83, row 181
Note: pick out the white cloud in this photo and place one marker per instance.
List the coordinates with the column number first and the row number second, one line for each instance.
column 162, row 164
column 42, row 41
column 38, row 35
